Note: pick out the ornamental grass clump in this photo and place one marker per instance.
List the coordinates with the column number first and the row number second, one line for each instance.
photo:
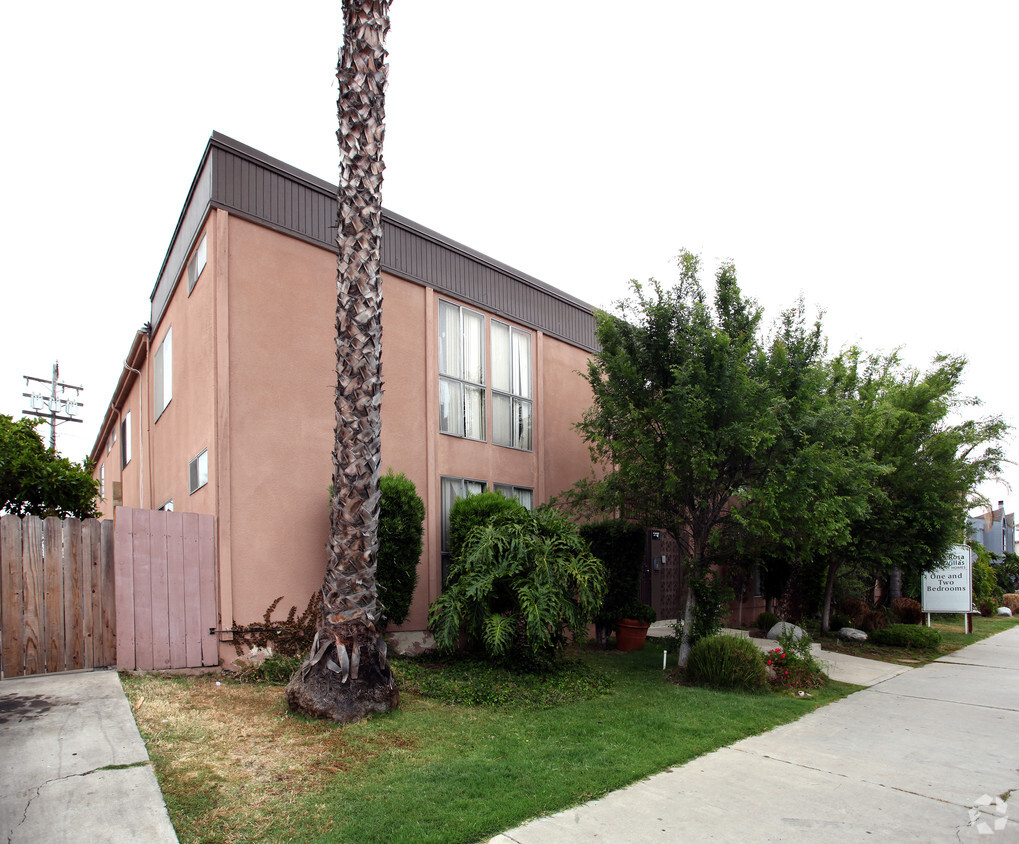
column 726, row 662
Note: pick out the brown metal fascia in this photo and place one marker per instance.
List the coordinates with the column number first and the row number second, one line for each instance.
column 135, row 357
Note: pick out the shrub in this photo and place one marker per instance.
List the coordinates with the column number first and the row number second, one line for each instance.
column 766, row 620
column 907, row 610
column 290, row 638
column 620, row 546
column 473, row 511
column 726, row 662
column 800, row 668
column 519, row 583
column 988, row 607
column 1011, row 601
column 401, row 523
column 713, row 600
column 275, row 669
column 985, row 581
column 840, row 620
column 907, row 636
column 855, row 609
column 638, row 611
column 871, row 620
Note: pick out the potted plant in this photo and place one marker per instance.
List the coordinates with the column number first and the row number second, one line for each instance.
column 631, row 628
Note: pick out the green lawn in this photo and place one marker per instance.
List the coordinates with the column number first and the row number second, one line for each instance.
column 236, row 766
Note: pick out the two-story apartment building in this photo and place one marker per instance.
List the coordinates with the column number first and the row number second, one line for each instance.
column 225, row 401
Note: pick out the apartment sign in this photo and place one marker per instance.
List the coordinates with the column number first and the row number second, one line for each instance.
column 949, row 589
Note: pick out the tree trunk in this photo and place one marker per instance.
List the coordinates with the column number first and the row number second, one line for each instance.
column 829, row 588
column 894, row 584
column 684, row 645
column 347, row 675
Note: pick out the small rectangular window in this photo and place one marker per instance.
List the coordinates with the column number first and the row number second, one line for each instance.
column 168, row 506
column 198, row 472
column 522, row 494
column 102, row 481
column 125, row 440
column 461, row 372
column 196, row 264
column 163, row 374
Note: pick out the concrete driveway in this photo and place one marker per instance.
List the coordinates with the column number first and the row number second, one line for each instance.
column 929, row 755
column 73, row 767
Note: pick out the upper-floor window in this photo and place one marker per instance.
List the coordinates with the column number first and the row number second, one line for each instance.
column 196, row 264
column 125, row 439
column 102, row 481
column 163, row 374
column 461, row 372
column 511, row 386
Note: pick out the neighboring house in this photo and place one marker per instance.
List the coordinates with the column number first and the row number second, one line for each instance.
column 225, row 402
column 995, row 530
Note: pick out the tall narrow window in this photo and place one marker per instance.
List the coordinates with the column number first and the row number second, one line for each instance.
column 125, row 440
column 511, row 386
column 461, row 372
column 163, row 374
column 102, row 482
column 451, row 490
column 196, row 264
column 198, row 472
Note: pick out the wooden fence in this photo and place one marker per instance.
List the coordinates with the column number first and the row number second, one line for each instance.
column 166, row 589
column 56, row 595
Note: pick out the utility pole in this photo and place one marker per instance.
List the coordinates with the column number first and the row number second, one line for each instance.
column 61, row 407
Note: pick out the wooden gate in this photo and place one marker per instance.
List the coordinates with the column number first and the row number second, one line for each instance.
column 166, row 589
column 56, row 595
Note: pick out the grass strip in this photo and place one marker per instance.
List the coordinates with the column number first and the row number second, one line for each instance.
column 235, row 765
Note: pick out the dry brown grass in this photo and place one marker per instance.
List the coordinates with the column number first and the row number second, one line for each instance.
column 235, row 756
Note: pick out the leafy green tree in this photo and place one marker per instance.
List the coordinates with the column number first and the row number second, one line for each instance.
column 927, row 465
column 35, row 481
column 520, row 582
column 401, row 524
column 683, row 420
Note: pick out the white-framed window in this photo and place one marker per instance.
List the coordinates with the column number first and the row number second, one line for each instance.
column 512, row 417
column 450, row 489
column 198, row 472
column 168, row 506
column 521, row 494
column 196, row 264
column 125, row 439
column 461, row 372
column 162, row 374
column 102, row 481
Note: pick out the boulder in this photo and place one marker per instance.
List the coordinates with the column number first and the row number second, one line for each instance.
column 851, row 634
column 783, row 628
column 1004, row 611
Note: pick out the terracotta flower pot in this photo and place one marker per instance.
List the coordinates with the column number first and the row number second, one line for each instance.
column 630, row 634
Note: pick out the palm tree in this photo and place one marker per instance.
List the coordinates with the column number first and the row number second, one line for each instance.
column 347, row 676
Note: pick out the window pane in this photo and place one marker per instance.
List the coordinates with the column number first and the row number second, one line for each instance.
column 451, row 408
column 474, row 413
column 449, row 339
column 474, row 347
column 522, row 364
column 502, row 429
column 525, row 497
column 501, row 379
column 450, row 489
column 522, row 424
column 474, row 487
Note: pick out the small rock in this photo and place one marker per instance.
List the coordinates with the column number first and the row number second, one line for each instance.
column 851, row 634
column 1004, row 611
column 784, row 627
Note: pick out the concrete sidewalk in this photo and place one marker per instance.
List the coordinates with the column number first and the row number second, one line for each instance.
column 74, row 768
column 922, row 756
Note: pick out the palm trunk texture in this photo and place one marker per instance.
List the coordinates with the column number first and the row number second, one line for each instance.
column 347, row 676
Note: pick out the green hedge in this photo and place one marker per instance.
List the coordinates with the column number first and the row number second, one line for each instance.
column 401, row 524
column 906, row 636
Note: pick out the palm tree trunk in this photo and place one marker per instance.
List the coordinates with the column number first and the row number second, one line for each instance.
column 347, row 676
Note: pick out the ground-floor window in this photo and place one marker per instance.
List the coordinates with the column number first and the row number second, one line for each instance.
column 450, row 490
column 522, row 494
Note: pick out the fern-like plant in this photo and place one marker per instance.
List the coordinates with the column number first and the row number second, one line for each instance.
column 519, row 583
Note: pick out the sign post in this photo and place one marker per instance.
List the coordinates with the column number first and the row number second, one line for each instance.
column 949, row 589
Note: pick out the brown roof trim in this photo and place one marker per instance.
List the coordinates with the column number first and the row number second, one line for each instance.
column 135, row 358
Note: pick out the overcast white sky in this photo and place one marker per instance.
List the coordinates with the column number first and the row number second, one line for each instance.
column 863, row 154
